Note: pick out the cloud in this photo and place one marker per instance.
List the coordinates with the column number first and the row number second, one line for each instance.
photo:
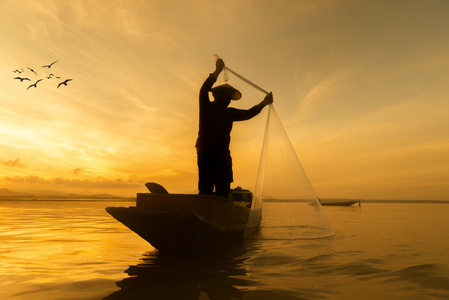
column 94, row 183
column 345, row 84
column 77, row 171
column 176, row 181
column 13, row 163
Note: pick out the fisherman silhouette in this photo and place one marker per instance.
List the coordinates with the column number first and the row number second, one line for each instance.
column 215, row 125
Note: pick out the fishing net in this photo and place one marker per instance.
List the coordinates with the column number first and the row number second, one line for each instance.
column 284, row 200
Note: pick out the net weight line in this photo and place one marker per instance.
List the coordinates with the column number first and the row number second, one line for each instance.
column 216, row 57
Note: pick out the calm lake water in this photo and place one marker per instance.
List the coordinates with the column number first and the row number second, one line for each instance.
column 75, row 250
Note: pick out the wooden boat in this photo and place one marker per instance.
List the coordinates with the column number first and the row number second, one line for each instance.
column 339, row 202
column 186, row 222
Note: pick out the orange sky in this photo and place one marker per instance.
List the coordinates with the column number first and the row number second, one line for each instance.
column 360, row 86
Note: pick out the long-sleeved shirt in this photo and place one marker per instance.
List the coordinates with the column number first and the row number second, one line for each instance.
column 215, row 123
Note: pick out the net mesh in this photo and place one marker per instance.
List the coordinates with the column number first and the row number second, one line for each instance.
column 282, row 186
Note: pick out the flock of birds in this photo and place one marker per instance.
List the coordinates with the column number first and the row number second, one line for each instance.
column 49, row 76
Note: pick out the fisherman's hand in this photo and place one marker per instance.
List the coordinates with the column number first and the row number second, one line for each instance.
column 268, row 99
column 219, row 66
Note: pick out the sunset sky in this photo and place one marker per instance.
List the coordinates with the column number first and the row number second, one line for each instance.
column 361, row 87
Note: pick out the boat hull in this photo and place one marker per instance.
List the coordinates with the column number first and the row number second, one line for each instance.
column 179, row 223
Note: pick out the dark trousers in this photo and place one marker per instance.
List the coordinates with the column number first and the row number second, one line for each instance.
column 214, row 170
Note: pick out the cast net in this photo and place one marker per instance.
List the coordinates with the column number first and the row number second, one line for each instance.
column 284, row 203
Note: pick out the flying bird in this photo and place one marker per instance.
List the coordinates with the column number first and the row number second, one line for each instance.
column 22, row 78
column 18, row 71
column 64, row 82
column 32, row 70
column 35, row 84
column 49, row 66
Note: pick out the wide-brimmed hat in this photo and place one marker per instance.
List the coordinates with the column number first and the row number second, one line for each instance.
column 226, row 89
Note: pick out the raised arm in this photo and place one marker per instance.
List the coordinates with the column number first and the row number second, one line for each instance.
column 207, row 85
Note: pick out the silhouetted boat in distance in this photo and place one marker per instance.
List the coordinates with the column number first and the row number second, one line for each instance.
column 339, row 202
column 186, row 222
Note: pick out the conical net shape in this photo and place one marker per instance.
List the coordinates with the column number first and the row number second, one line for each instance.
column 290, row 209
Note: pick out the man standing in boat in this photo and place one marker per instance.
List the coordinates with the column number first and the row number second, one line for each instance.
column 215, row 125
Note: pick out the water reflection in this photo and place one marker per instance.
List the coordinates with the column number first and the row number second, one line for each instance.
column 213, row 275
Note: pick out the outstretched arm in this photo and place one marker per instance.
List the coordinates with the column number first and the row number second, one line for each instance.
column 242, row 115
column 267, row 100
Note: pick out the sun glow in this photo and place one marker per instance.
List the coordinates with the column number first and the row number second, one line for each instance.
column 364, row 103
